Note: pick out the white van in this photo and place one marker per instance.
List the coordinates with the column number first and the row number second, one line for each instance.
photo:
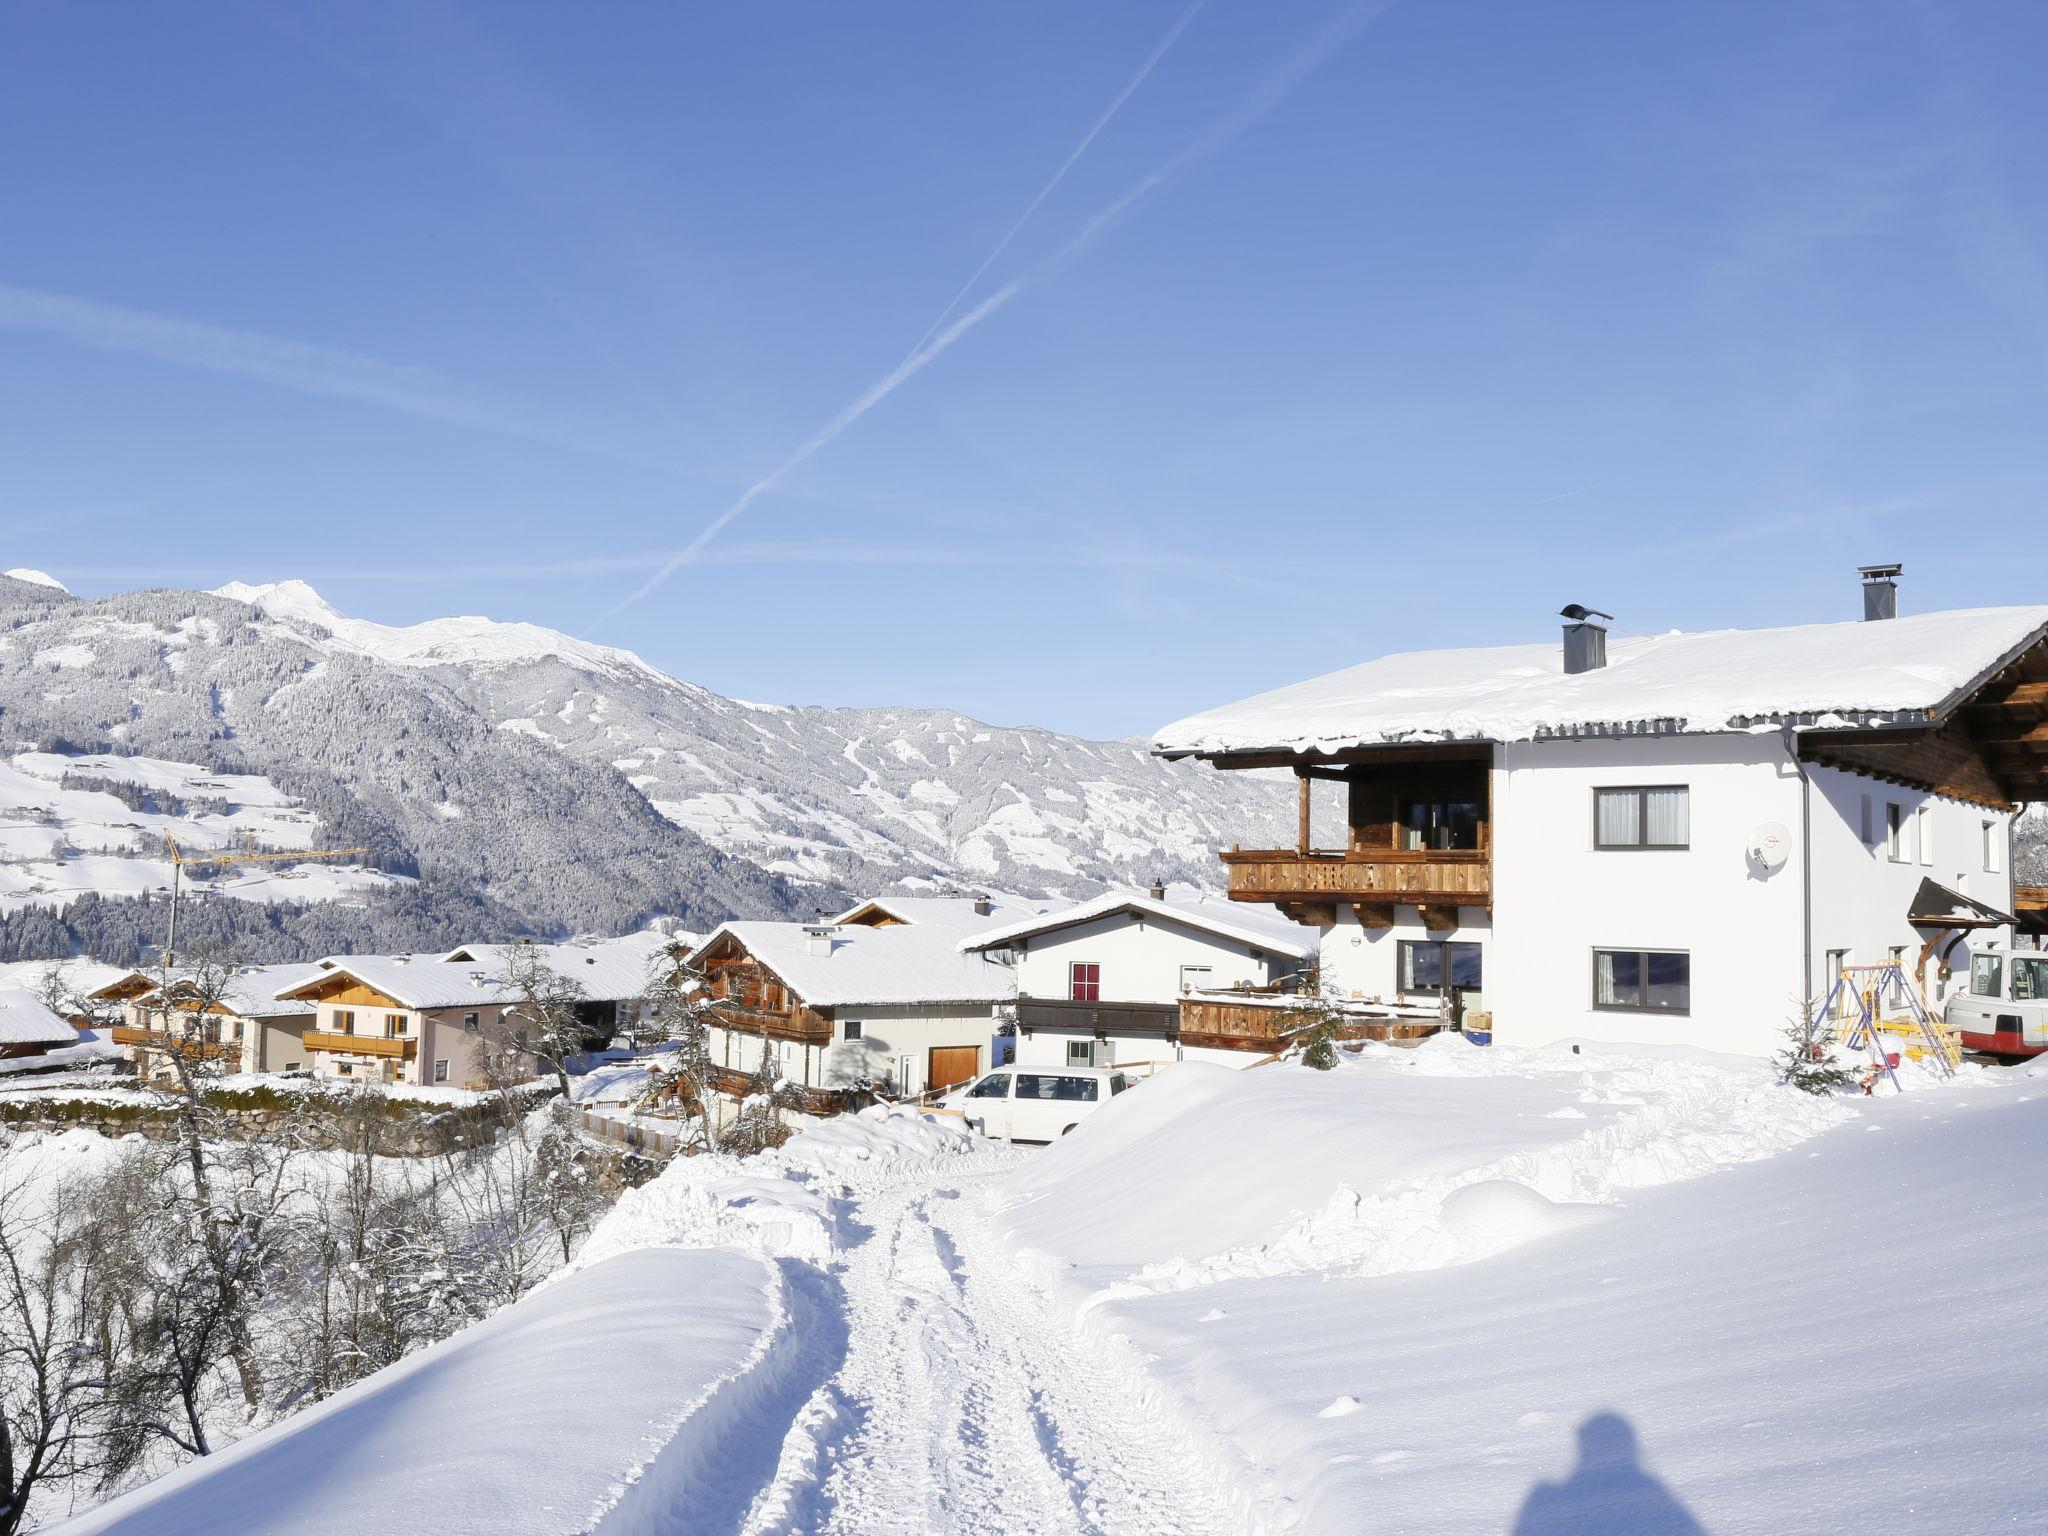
column 1034, row 1104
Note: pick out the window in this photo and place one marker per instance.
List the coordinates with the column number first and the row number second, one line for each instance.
column 394, row 1025
column 1195, row 977
column 469, row 1023
column 1642, row 980
column 1867, row 823
column 347, row 1069
column 344, row 1021
column 1838, row 962
column 1990, row 847
column 1425, row 964
column 1923, row 835
column 1656, row 817
column 1080, row 1053
column 995, row 1086
column 852, row 1030
column 2029, row 979
column 1085, row 982
column 441, row 1069
column 1987, row 976
column 1895, row 831
column 1044, row 1086
column 1439, row 825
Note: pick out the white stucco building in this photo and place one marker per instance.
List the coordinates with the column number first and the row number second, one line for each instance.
column 1676, row 838
column 1100, row 984
column 881, row 995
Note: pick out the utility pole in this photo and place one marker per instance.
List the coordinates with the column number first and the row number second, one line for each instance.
column 248, row 855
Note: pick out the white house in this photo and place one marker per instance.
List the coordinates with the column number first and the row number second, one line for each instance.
column 1672, row 837
column 1101, row 983
column 882, row 994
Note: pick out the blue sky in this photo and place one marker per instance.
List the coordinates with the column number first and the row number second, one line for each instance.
column 1355, row 328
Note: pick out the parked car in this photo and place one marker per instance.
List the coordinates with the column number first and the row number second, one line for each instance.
column 1027, row 1104
column 2004, row 1010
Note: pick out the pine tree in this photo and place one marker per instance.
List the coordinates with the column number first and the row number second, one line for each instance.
column 1808, row 1060
column 1315, row 1020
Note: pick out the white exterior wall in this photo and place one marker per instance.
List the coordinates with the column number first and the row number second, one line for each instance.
column 1557, row 898
column 888, row 1035
column 1862, row 895
column 1141, row 959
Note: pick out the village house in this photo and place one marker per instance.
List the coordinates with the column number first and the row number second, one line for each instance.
column 1103, row 983
column 30, row 1032
column 244, row 1029
column 1671, row 837
column 881, row 995
column 431, row 1020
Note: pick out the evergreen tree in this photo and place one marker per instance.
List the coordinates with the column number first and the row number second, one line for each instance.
column 1808, row 1060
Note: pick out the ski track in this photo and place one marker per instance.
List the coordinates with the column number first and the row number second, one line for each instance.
column 964, row 1403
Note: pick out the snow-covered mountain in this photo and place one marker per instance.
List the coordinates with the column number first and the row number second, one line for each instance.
column 572, row 785
column 859, row 798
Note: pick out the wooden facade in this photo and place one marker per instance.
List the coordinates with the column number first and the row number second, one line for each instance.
column 753, row 1000
column 1374, row 870
column 400, row 1048
column 1139, row 1019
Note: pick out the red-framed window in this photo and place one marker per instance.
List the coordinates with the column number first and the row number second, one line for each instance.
column 1085, row 980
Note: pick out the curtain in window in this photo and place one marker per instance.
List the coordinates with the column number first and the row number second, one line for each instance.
column 1617, row 979
column 1620, row 816
column 1669, row 818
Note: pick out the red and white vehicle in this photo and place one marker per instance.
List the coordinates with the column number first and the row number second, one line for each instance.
column 2004, row 1010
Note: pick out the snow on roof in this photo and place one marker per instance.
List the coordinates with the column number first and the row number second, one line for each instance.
column 910, row 962
column 473, row 975
column 26, row 1019
column 1939, row 906
column 954, row 912
column 1720, row 680
column 1260, row 926
column 80, row 974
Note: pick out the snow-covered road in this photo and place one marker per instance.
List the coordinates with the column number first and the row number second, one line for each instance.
column 962, row 1403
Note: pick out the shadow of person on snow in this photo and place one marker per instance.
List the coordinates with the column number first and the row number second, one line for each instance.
column 1608, row 1493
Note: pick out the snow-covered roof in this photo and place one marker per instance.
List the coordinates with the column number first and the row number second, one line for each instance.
column 26, row 1019
column 1938, row 906
column 473, row 975
column 1259, row 926
column 252, row 991
column 80, row 975
column 1830, row 675
column 907, row 963
column 956, row 913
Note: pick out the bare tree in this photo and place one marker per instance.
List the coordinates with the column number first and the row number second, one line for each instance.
column 547, row 1021
column 680, row 1006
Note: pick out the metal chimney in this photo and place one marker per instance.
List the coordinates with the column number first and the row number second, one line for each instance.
column 1585, row 643
column 1880, row 591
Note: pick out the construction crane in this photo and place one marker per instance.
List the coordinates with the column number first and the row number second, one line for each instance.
column 248, row 854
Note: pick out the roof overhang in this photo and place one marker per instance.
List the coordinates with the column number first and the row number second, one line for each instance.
column 1936, row 906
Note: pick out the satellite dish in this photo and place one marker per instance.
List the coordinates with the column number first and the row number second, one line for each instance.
column 1770, row 845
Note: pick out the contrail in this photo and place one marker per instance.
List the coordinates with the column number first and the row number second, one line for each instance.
column 1345, row 24
column 1145, row 69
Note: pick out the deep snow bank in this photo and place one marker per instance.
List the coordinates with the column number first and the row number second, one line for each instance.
column 1204, row 1174
column 596, row 1404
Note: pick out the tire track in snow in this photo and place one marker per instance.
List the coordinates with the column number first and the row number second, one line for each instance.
column 965, row 1404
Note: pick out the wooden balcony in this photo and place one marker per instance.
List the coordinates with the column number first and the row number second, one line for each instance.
column 362, row 1045
column 1375, row 881
column 1266, row 1023
column 796, row 1023
column 1161, row 1019
column 192, row 1047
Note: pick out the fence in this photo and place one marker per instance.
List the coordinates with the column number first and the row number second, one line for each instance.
column 631, row 1134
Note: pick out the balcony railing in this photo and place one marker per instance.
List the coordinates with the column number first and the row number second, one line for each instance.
column 362, row 1045
column 1380, row 876
column 187, row 1045
column 1107, row 1018
column 1269, row 1022
column 798, row 1024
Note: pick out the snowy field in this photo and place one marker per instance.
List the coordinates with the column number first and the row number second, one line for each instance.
column 60, row 836
column 1440, row 1290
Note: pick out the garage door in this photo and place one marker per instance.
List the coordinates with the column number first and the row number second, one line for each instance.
column 952, row 1065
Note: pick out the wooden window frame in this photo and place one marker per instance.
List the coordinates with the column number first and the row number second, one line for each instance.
column 1644, row 1007
column 1642, row 792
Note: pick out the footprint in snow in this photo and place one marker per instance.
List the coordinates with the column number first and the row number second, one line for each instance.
column 1338, row 1409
